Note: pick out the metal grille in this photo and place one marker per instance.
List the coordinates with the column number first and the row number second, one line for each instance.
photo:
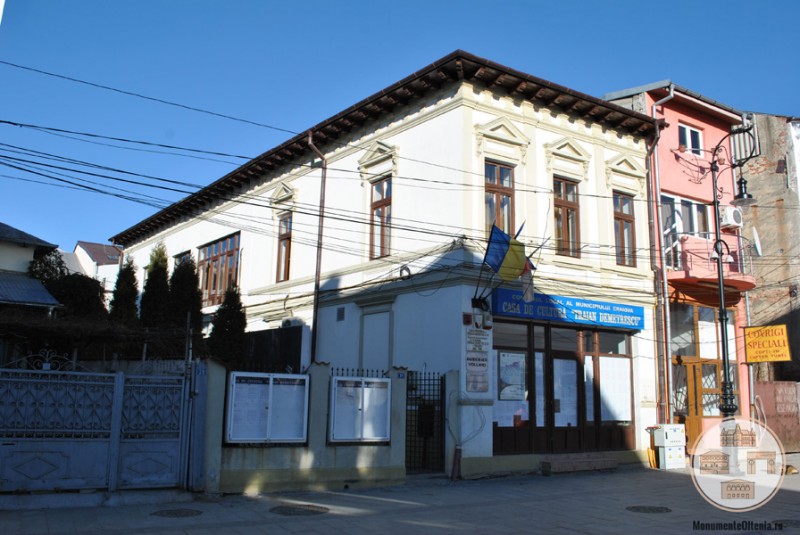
column 152, row 407
column 425, row 409
column 357, row 372
column 47, row 405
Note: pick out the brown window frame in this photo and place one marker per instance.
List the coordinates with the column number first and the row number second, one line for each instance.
column 284, row 253
column 382, row 222
column 698, row 359
column 565, row 247
column 624, row 256
column 218, row 268
column 495, row 190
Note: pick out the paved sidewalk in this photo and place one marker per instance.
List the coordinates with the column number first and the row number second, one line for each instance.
column 595, row 502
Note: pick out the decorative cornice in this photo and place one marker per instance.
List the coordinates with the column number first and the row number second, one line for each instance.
column 372, row 165
column 503, row 131
column 567, row 149
column 624, row 171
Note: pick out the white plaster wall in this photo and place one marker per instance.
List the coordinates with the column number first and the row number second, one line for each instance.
column 88, row 266
column 430, row 205
column 645, row 396
column 428, row 331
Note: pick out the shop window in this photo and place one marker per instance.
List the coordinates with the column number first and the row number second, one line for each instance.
column 510, row 335
column 564, row 339
column 588, row 382
column 682, row 327
column 612, row 343
column 615, row 390
column 697, row 368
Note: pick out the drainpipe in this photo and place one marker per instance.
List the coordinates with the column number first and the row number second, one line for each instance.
column 314, row 325
column 662, row 288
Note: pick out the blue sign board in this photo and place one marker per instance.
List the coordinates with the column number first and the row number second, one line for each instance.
column 506, row 302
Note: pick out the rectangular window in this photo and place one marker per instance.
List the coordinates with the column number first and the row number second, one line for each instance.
column 284, row 247
column 694, row 218
column 681, row 217
column 381, row 220
column 218, row 268
column 567, row 216
column 182, row 257
column 624, row 229
column 499, row 197
column 690, row 139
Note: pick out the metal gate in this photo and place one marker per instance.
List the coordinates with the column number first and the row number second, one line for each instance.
column 76, row 430
column 425, row 409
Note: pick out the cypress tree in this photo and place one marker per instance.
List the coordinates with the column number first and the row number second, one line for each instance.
column 227, row 341
column 155, row 296
column 126, row 292
column 184, row 296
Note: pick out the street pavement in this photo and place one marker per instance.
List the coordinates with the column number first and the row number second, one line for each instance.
column 626, row 500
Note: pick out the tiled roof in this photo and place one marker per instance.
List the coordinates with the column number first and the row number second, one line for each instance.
column 20, row 289
column 13, row 235
column 100, row 253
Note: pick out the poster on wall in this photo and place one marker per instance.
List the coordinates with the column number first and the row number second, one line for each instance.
column 512, row 376
column 477, row 360
column 248, row 407
column 289, row 418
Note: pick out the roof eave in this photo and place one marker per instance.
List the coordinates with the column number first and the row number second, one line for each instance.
column 455, row 67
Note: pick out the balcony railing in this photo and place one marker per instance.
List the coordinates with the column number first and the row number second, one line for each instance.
column 694, row 261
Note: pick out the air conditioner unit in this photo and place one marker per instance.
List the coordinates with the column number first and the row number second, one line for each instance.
column 731, row 217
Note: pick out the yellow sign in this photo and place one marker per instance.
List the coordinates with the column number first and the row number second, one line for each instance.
column 767, row 344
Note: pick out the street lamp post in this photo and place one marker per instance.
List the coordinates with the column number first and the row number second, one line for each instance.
column 727, row 404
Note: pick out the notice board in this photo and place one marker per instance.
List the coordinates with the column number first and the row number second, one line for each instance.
column 267, row 407
column 360, row 409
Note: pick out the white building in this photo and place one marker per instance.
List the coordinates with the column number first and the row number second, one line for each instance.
column 415, row 176
column 101, row 262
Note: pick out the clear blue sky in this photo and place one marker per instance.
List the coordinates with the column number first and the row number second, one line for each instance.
column 293, row 64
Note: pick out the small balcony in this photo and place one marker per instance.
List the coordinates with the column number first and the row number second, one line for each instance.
column 696, row 263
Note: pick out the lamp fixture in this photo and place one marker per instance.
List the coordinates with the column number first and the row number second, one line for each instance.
column 743, row 198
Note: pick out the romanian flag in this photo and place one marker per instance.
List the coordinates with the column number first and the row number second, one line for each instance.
column 505, row 255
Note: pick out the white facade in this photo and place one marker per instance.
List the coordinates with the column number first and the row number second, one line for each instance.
column 411, row 308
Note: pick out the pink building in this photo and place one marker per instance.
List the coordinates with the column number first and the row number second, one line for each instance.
column 689, row 343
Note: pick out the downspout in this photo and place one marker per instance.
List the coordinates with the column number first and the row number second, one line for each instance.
column 314, row 325
column 661, row 286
